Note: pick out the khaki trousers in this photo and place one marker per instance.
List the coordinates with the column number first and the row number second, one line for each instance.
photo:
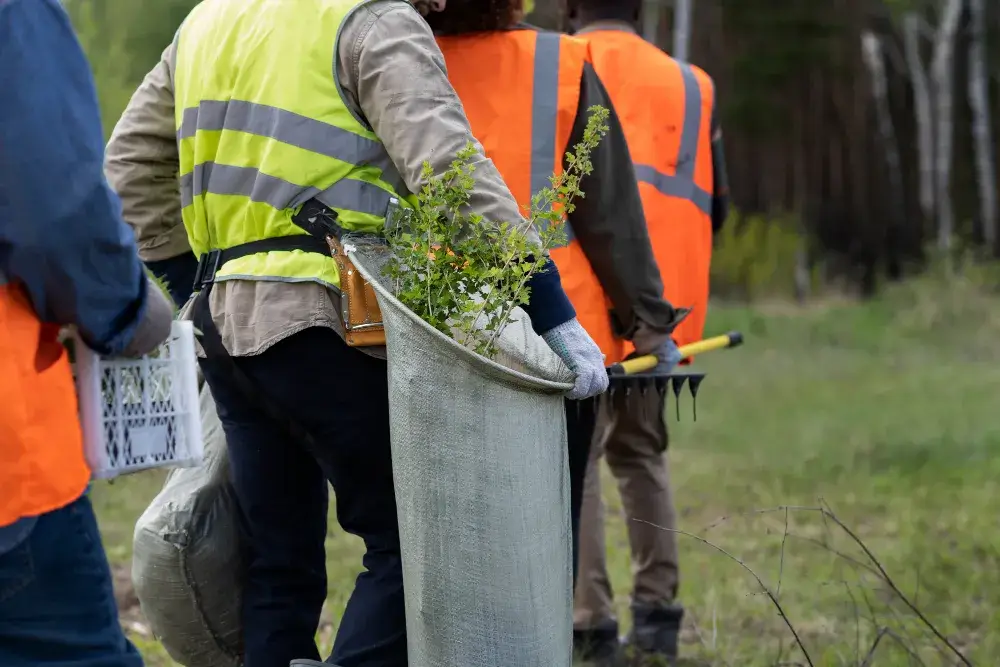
column 634, row 442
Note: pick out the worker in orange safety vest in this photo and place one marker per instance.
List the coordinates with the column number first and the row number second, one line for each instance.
column 66, row 258
column 669, row 113
column 526, row 93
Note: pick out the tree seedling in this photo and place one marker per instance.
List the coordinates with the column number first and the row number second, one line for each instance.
column 463, row 275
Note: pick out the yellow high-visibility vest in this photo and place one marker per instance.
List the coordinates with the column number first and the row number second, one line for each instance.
column 262, row 127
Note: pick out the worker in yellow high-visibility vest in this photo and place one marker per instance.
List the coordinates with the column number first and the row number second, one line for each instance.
column 263, row 108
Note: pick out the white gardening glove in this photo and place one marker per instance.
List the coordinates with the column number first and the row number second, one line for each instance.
column 582, row 356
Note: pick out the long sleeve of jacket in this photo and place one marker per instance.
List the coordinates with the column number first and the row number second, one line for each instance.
column 610, row 225
column 142, row 163
column 61, row 232
column 720, row 178
column 402, row 88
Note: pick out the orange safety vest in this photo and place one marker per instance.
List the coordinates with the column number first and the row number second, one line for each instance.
column 665, row 108
column 521, row 93
column 42, row 465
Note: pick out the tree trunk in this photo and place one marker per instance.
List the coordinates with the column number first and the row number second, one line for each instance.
column 979, row 103
column 682, row 29
column 651, row 12
column 942, row 71
column 871, row 47
column 922, row 111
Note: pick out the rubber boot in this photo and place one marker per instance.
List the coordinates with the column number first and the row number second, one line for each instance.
column 656, row 631
column 598, row 646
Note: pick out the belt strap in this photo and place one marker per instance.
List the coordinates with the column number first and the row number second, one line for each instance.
column 210, row 263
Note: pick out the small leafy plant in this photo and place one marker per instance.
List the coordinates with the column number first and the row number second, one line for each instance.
column 464, row 276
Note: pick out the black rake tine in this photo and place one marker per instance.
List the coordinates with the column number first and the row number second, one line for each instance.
column 693, row 384
column 677, row 382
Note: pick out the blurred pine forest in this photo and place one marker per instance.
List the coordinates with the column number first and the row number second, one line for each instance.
column 861, row 135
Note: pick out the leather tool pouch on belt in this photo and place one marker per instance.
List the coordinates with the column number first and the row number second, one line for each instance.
column 359, row 311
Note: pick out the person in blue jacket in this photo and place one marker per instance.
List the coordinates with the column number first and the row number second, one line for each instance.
column 64, row 244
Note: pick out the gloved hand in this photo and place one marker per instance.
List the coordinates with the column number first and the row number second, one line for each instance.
column 669, row 356
column 648, row 341
column 154, row 327
column 582, row 356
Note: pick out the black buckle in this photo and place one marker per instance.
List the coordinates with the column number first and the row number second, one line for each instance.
column 318, row 220
column 208, row 265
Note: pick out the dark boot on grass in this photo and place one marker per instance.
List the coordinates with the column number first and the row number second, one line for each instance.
column 656, row 631
column 598, row 646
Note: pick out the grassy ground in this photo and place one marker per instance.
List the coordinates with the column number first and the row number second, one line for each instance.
column 886, row 413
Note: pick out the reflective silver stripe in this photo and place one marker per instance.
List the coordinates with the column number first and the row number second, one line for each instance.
column 274, row 279
column 687, row 153
column 356, row 196
column 224, row 179
column 290, row 128
column 544, row 110
column 674, row 186
column 681, row 184
column 702, row 199
column 544, row 114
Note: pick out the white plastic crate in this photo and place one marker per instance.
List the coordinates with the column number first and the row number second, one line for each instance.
column 141, row 413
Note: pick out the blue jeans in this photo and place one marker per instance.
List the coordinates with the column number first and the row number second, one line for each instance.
column 341, row 397
column 57, row 605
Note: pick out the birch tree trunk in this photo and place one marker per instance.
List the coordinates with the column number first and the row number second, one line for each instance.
column 942, row 72
column 982, row 140
column 651, row 11
column 922, row 110
column 682, row 29
column 871, row 48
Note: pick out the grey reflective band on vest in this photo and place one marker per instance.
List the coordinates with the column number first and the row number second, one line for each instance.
column 293, row 129
column 544, row 114
column 544, row 110
column 674, row 186
column 224, row 179
column 687, row 153
column 681, row 184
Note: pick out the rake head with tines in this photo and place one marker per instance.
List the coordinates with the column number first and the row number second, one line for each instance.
column 639, row 377
column 623, row 390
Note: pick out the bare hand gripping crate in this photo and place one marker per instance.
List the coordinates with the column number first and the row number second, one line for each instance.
column 138, row 414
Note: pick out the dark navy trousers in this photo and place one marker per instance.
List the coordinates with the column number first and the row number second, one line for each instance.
column 340, row 396
column 581, row 418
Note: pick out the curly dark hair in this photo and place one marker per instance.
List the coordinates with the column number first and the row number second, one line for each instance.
column 464, row 16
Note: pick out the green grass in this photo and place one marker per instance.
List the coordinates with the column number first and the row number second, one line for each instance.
column 886, row 412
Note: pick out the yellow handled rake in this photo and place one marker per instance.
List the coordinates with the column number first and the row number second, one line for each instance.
column 639, row 373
